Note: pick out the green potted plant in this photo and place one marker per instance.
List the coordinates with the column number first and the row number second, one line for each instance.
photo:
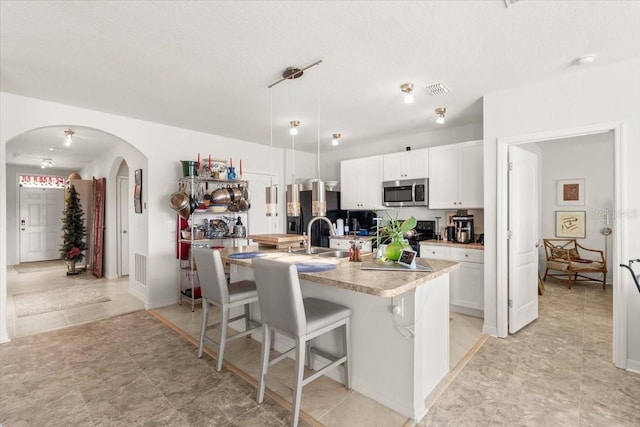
column 73, row 232
column 393, row 235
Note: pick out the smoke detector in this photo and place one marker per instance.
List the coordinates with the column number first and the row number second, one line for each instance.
column 437, row 88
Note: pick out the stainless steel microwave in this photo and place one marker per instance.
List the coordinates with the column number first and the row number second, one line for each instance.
column 407, row 192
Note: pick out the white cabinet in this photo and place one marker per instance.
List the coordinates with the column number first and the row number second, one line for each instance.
column 405, row 165
column 361, row 183
column 467, row 282
column 456, row 176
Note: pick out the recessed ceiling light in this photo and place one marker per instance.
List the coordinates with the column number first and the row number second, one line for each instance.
column 584, row 60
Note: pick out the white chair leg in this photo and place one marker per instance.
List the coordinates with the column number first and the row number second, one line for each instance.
column 264, row 362
column 203, row 331
column 347, row 349
column 223, row 336
column 301, row 347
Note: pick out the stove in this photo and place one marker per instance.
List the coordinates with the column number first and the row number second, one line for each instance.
column 426, row 231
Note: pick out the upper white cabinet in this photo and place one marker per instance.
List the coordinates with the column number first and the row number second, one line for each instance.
column 406, row 165
column 456, row 176
column 361, row 183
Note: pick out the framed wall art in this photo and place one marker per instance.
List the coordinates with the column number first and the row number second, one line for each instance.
column 571, row 224
column 137, row 191
column 571, row 192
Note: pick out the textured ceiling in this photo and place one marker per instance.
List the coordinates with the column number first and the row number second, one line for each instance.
column 206, row 65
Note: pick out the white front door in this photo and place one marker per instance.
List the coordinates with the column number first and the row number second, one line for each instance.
column 123, row 226
column 523, row 243
column 40, row 223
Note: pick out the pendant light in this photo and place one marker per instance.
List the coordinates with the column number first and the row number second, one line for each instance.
column 271, row 196
column 293, row 189
column 318, row 195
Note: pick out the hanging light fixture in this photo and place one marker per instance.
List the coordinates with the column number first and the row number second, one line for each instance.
column 336, row 139
column 407, row 88
column 271, row 196
column 440, row 113
column 294, row 127
column 293, row 189
column 68, row 137
column 318, row 195
column 46, row 163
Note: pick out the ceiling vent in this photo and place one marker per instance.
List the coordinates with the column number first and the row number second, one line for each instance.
column 437, row 89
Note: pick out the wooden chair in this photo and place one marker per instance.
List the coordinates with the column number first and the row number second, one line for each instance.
column 573, row 260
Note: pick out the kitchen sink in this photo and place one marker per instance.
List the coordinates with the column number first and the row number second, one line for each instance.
column 314, row 250
column 334, row 254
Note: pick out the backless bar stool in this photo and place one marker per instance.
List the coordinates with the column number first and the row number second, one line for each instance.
column 214, row 288
column 283, row 310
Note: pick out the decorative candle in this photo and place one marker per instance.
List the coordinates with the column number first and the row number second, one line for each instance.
column 198, row 157
column 209, row 162
column 230, row 161
column 240, row 167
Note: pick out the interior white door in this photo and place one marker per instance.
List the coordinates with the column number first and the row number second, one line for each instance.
column 523, row 243
column 40, row 223
column 123, row 226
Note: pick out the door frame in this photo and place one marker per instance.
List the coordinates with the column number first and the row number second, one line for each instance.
column 619, row 246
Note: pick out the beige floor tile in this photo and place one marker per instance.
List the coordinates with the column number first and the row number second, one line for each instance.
column 358, row 410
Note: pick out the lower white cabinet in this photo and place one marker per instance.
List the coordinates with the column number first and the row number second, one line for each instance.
column 467, row 282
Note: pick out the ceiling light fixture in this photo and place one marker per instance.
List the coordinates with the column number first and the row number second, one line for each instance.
column 318, row 194
column 294, row 127
column 46, row 163
column 68, row 137
column 407, row 88
column 440, row 113
column 584, row 60
column 336, row 139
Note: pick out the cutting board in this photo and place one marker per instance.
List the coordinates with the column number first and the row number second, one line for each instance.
column 280, row 241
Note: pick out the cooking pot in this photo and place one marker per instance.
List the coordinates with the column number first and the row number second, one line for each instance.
column 179, row 201
column 220, row 196
column 410, row 234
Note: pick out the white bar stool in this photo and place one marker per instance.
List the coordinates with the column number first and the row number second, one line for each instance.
column 284, row 310
column 214, row 288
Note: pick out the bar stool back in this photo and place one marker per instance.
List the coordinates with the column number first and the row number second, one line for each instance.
column 284, row 310
column 214, row 288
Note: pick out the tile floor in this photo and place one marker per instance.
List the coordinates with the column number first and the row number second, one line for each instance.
column 556, row 371
column 53, row 277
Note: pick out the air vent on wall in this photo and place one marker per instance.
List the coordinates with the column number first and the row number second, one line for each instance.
column 437, row 88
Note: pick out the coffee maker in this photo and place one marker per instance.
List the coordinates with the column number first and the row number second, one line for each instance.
column 464, row 227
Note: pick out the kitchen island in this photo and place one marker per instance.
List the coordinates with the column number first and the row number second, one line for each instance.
column 399, row 327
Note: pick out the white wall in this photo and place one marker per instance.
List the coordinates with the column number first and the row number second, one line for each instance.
column 588, row 157
column 163, row 146
column 583, row 96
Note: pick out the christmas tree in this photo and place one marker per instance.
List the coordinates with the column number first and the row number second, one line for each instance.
column 73, row 229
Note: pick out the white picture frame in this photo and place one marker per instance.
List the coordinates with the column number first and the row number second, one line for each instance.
column 570, row 192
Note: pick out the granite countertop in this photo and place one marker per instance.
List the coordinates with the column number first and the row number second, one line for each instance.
column 453, row 244
column 348, row 275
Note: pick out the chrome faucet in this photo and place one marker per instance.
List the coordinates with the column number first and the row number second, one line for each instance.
column 314, row 219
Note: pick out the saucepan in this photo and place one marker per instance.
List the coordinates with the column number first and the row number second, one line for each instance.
column 179, row 201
